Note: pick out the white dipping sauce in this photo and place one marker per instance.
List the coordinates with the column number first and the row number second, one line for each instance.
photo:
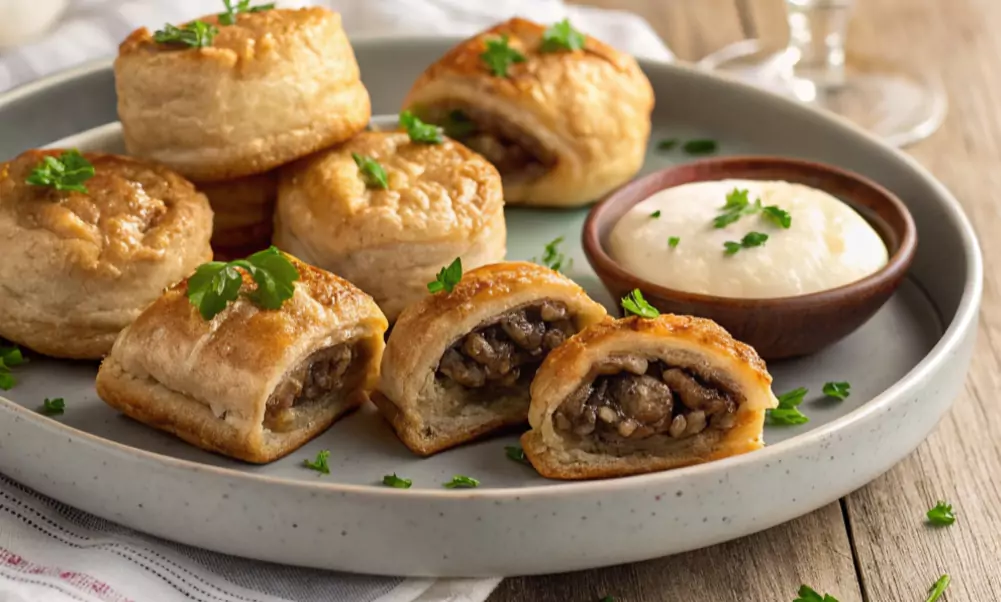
column 828, row 244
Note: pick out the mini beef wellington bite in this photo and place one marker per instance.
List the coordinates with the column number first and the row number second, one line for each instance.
column 386, row 212
column 564, row 117
column 641, row 395
column 240, row 93
column 87, row 241
column 249, row 359
column 244, row 211
column 458, row 363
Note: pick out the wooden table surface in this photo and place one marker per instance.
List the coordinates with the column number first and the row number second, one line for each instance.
column 873, row 545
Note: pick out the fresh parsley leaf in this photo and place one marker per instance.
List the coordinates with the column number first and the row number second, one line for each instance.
column 461, row 482
column 655, row 214
column 425, row 133
column 242, row 6
column 447, row 278
column 807, row 594
column 673, row 241
column 458, row 125
column 6, row 381
column 516, row 453
column 391, row 480
column 634, row 303
column 215, row 284
column 667, row 144
column 738, row 198
column 941, row 515
column 787, row 412
column 561, row 36
column 9, row 358
column 371, row 172
column 938, row 588
column 702, row 146
column 553, row 258
column 837, row 390
column 196, row 34
column 320, row 463
column 499, row 56
column 777, row 216
column 737, row 206
column 751, row 239
column 67, row 172
column 52, row 407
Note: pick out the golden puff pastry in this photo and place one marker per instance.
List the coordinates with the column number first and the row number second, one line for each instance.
column 564, row 127
column 458, row 364
column 637, row 395
column 78, row 267
column 250, row 383
column 442, row 201
column 274, row 86
column 244, row 211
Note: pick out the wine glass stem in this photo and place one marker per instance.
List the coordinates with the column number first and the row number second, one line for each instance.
column 817, row 39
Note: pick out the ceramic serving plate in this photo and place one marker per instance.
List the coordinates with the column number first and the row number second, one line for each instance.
column 905, row 367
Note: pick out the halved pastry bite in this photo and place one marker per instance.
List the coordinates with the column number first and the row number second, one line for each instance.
column 87, row 240
column 458, row 363
column 641, row 395
column 250, row 359
column 386, row 212
column 563, row 117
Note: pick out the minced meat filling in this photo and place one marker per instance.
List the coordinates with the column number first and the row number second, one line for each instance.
column 320, row 373
column 513, row 151
column 508, row 347
column 632, row 398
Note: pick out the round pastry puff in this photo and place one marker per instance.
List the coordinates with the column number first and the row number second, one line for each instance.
column 428, row 411
column 442, row 201
column 244, row 211
column 78, row 267
column 564, row 127
column 714, row 361
column 274, row 86
column 226, row 384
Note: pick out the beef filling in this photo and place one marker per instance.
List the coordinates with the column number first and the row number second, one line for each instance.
column 507, row 350
column 319, row 374
column 513, row 151
column 632, row 398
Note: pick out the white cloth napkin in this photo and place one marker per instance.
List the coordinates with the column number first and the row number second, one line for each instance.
column 52, row 552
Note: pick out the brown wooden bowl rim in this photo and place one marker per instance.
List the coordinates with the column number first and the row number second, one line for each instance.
column 894, row 269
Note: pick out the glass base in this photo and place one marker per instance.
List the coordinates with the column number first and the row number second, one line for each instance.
column 898, row 107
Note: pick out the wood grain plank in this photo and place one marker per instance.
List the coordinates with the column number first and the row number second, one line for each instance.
column 768, row 566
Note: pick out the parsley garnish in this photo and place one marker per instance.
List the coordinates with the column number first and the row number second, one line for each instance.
column 499, row 56
column 419, row 131
column 553, row 258
column 461, row 481
column 837, row 390
column 807, row 594
column 673, row 241
column 777, row 216
column 751, row 239
column 196, row 34
column 458, row 124
column 215, row 284
column 667, row 144
column 9, row 358
column 67, row 172
column 391, row 480
column 941, row 515
column 320, row 463
column 242, row 6
column 737, row 205
column 447, row 278
column 634, row 303
column 561, row 36
column 655, row 214
column 935, row 591
column 371, row 172
column 788, row 413
column 52, row 407
column 702, row 146
column 516, row 453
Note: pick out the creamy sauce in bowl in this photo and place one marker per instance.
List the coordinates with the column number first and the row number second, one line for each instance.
column 670, row 239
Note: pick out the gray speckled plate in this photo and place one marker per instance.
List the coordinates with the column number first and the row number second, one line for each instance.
column 905, row 366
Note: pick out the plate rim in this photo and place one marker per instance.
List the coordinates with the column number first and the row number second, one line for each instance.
column 967, row 312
